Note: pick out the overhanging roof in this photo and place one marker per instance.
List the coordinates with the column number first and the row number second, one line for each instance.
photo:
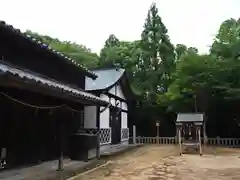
column 47, row 48
column 106, row 78
column 51, row 84
column 189, row 117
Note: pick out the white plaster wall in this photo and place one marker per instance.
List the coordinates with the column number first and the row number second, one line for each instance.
column 124, row 120
column 120, row 94
column 90, row 116
column 104, row 116
column 112, row 90
column 124, row 106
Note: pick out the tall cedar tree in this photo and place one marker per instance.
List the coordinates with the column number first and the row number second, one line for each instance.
column 158, row 54
column 108, row 54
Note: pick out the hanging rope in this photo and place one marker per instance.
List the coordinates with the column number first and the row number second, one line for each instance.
column 30, row 105
column 39, row 107
column 73, row 109
column 44, row 107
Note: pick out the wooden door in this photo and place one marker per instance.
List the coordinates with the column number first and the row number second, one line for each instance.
column 115, row 118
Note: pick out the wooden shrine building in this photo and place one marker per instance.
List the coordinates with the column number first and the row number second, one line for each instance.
column 189, row 127
column 112, row 85
column 41, row 97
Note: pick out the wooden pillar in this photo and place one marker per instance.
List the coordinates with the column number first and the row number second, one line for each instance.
column 158, row 131
column 98, row 132
column 134, row 134
column 200, row 143
column 205, row 138
column 60, row 142
column 176, row 137
column 218, row 140
column 180, row 140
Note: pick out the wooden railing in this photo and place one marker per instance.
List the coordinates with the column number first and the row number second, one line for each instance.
column 228, row 142
column 155, row 140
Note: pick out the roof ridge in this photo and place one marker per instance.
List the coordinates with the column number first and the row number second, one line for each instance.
column 47, row 47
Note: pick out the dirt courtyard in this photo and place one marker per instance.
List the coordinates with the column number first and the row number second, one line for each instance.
column 163, row 162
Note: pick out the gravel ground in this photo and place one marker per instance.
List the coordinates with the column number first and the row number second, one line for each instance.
column 159, row 162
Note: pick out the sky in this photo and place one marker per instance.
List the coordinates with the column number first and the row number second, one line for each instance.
column 90, row 22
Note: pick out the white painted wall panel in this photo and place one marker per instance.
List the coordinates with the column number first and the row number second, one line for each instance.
column 124, row 106
column 90, row 115
column 112, row 90
column 104, row 118
column 124, row 120
column 119, row 94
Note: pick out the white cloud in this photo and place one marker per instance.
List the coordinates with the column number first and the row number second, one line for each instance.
column 89, row 22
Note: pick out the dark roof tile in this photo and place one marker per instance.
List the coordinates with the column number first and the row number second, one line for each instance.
column 50, row 83
column 45, row 46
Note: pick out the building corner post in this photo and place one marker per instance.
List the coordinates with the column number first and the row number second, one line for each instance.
column 98, row 132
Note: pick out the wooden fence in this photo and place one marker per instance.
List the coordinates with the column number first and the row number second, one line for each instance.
column 155, row 140
column 228, row 142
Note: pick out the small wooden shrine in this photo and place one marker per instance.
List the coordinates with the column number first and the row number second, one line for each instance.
column 189, row 127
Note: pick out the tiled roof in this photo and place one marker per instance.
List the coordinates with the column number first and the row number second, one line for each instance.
column 106, row 78
column 46, row 47
column 190, row 117
column 51, row 83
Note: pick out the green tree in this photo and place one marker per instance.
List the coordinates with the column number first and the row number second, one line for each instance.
column 112, row 41
column 180, row 50
column 157, row 59
column 227, row 41
column 79, row 53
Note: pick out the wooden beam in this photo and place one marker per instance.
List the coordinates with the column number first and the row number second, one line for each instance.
column 115, row 97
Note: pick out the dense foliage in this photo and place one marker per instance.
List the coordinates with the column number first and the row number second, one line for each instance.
column 170, row 79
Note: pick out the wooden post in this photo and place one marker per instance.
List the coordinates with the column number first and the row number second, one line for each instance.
column 60, row 161
column 134, row 134
column 98, row 132
column 205, row 138
column 218, row 140
column 158, row 131
column 157, row 126
column 200, row 142
column 98, row 144
column 60, row 139
column 180, row 140
column 176, row 137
